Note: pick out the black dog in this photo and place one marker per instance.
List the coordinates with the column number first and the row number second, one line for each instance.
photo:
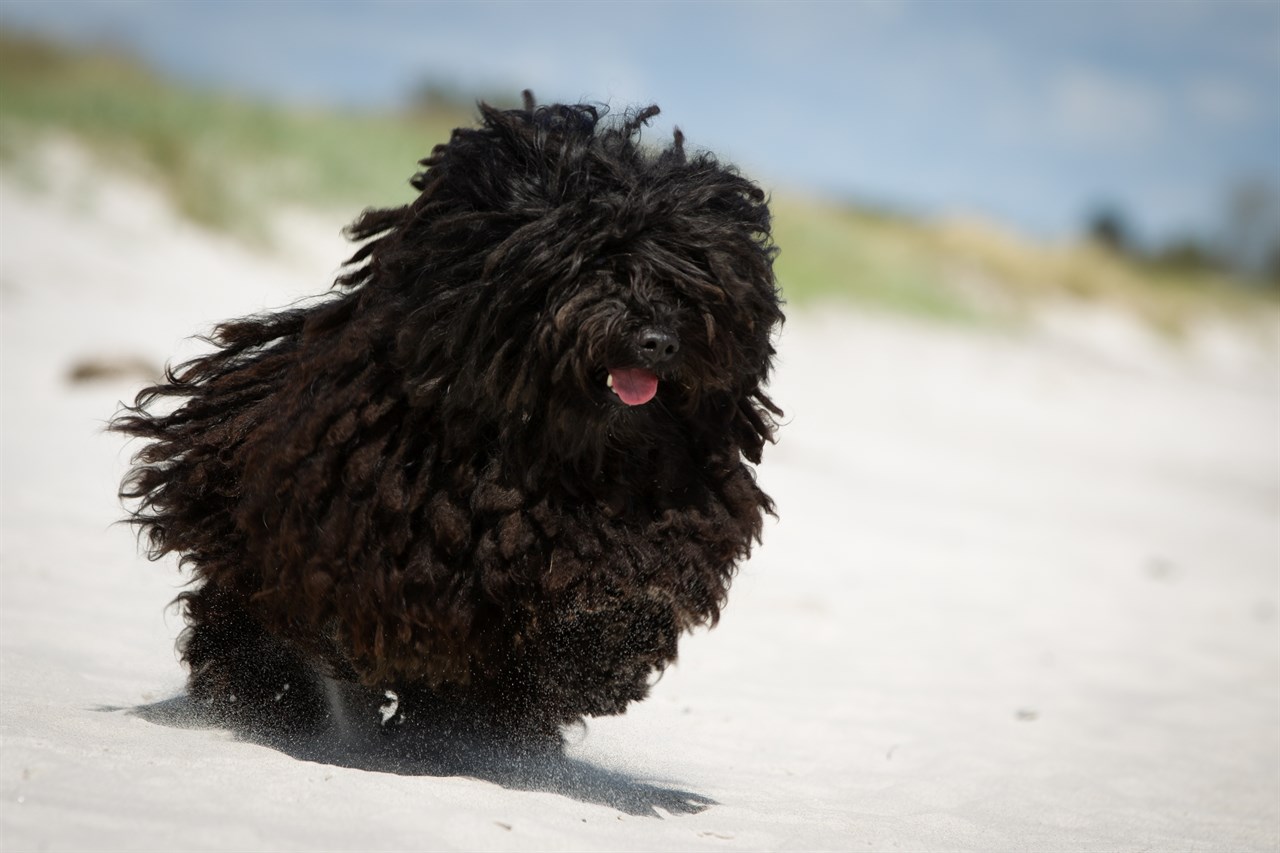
column 500, row 469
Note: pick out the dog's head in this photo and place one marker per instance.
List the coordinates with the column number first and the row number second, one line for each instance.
column 580, row 290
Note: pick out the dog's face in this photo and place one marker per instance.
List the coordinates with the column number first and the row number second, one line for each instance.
column 643, row 325
column 584, row 289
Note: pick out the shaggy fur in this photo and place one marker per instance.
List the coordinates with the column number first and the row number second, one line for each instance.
column 423, row 481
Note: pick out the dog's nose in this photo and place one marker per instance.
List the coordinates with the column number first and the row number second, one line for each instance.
column 656, row 345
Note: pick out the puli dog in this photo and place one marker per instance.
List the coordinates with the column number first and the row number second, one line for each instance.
column 503, row 465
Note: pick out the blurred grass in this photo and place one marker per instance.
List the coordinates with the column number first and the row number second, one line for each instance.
column 859, row 255
column 228, row 163
column 223, row 161
column 970, row 270
column 1025, row 273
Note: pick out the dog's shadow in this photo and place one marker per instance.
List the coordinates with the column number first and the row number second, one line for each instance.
column 428, row 753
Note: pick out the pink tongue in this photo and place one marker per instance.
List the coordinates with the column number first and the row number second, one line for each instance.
column 635, row 386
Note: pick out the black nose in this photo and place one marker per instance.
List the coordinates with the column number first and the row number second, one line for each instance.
column 656, row 346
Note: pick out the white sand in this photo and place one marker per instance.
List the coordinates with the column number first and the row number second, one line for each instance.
column 1022, row 595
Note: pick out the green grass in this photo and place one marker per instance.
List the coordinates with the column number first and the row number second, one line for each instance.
column 968, row 270
column 223, row 161
column 227, row 163
column 828, row 251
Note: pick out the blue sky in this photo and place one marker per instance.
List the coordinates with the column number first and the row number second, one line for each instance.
column 1031, row 112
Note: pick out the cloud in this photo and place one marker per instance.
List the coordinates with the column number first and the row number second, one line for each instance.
column 1094, row 109
column 1224, row 103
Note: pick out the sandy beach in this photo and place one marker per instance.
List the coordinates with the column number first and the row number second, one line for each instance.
column 1021, row 593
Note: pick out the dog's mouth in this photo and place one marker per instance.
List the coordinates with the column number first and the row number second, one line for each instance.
column 634, row 386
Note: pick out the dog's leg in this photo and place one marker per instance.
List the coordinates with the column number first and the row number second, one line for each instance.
column 596, row 662
column 453, row 725
column 240, row 675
